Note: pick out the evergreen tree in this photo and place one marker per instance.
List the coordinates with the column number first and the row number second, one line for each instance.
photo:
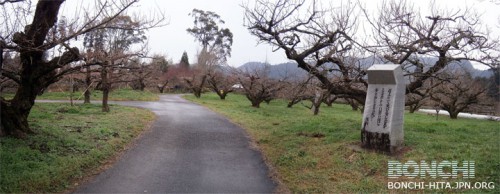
column 184, row 60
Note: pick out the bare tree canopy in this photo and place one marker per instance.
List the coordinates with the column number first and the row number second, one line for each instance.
column 404, row 36
column 32, row 42
column 317, row 39
column 324, row 41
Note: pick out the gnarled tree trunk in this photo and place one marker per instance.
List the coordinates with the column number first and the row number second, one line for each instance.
column 256, row 103
column 88, row 82
column 15, row 116
column 106, row 86
column 36, row 74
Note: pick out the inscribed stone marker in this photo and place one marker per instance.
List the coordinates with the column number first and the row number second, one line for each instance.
column 382, row 127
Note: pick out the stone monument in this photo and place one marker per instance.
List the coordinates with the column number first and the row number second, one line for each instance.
column 382, row 127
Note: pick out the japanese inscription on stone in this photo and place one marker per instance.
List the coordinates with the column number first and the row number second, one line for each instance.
column 382, row 127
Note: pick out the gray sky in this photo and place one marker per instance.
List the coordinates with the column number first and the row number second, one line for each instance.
column 173, row 39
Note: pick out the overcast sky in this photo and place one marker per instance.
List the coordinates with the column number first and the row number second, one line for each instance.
column 173, row 39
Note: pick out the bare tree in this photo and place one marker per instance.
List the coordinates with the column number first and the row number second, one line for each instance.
column 296, row 91
column 216, row 45
column 323, row 42
column 112, row 48
column 258, row 87
column 317, row 39
column 9, row 63
column 416, row 100
column 425, row 44
column 207, row 62
column 458, row 93
column 38, row 70
column 330, row 99
column 221, row 81
column 196, row 82
column 160, row 66
column 320, row 94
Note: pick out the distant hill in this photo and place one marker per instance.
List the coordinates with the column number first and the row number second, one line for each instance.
column 279, row 71
column 291, row 71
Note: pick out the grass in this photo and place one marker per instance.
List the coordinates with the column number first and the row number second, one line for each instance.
column 71, row 143
column 314, row 154
column 118, row 95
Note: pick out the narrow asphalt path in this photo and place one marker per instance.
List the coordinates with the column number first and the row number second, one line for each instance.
column 189, row 149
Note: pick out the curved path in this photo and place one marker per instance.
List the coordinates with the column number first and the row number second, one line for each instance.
column 189, row 149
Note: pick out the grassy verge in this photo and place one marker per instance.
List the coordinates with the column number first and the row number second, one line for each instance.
column 314, row 154
column 118, row 95
column 71, row 142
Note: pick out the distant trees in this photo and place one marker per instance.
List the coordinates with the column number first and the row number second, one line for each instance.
column 258, row 87
column 139, row 73
column 10, row 64
column 160, row 66
column 494, row 88
column 457, row 92
column 318, row 45
column 198, row 74
column 296, row 91
column 211, row 36
column 111, row 47
column 320, row 95
column 415, row 101
column 325, row 44
column 184, row 61
column 406, row 37
column 216, row 45
column 221, row 82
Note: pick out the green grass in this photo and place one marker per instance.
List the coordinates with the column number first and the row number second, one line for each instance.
column 118, row 95
column 306, row 164
column 71, row 143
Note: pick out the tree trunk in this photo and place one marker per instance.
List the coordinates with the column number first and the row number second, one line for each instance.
column 197, row 92
column 453, row 114
column 72, row 92
column 330, row 100
column 353, row 104
column 160, row 88
column 141, row 85
column 105, row 96
column 316, row 102
column 14, row 113
column 256, row 103
column 497, row 108
column 223, row 96
column 219, row 93
column 35, row 74
column 88, row 82
column 292, row 102
column 105, row 89
column 315, row 109
column 86, row 99
column 14, row 121
column 413, row 108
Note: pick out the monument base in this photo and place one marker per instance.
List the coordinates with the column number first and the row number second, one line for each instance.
column 378, row 141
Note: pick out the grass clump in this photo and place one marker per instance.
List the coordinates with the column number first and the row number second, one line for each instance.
column 314, row 154
column 70, row 143
column 117, row 95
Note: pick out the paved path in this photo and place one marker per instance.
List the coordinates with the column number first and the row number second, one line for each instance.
column 189, row 149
